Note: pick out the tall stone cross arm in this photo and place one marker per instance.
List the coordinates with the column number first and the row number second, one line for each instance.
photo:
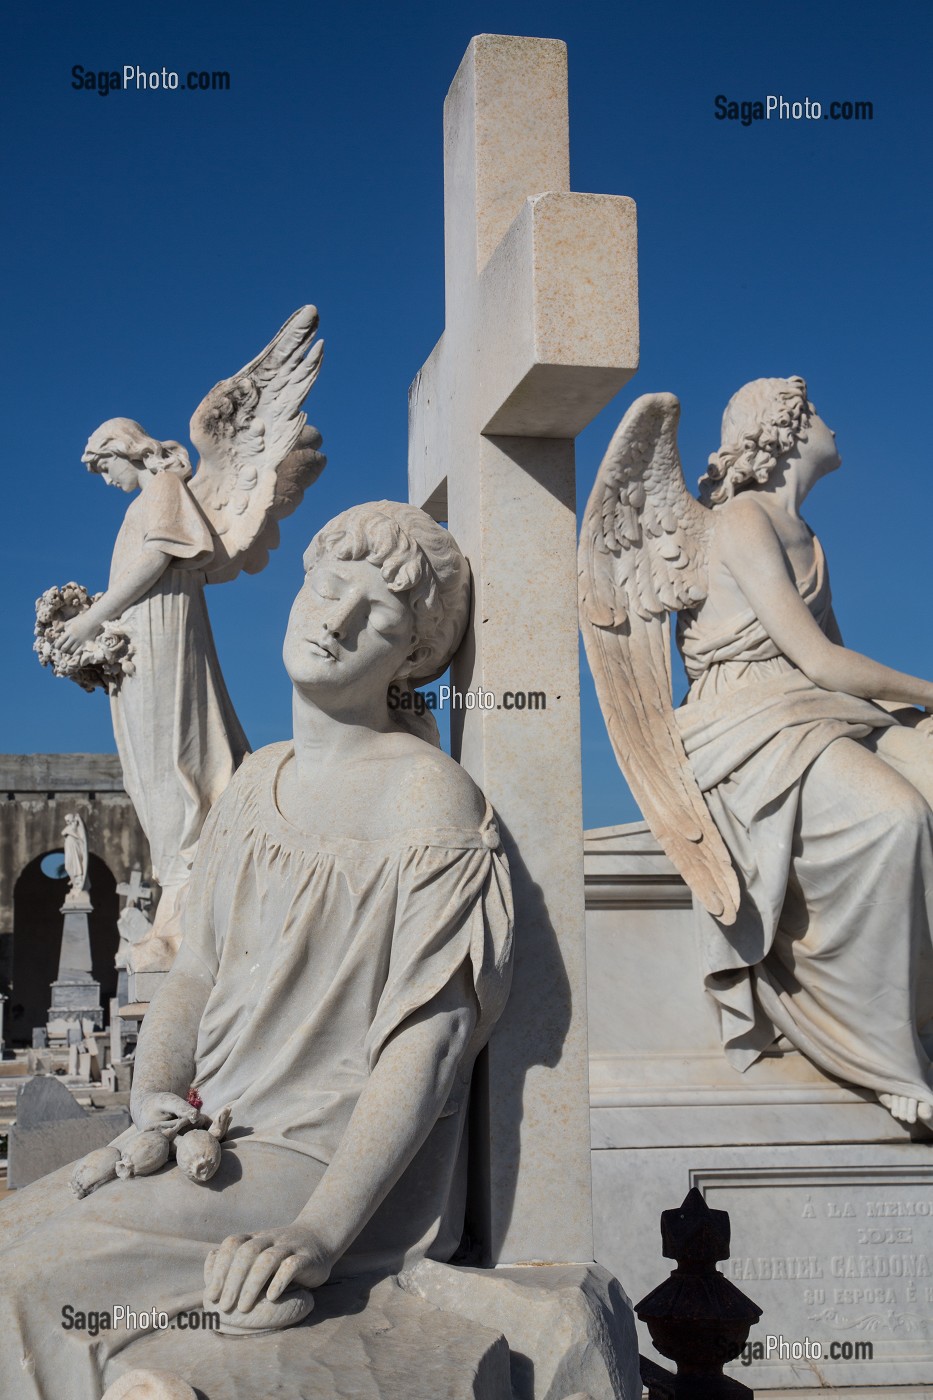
column 541, row 331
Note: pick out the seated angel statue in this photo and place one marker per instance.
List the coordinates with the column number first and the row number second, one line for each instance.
column 793, row 787
column 346, row 952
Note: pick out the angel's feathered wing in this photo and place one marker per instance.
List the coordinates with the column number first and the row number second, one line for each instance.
column 258, row 454
column 643, row 555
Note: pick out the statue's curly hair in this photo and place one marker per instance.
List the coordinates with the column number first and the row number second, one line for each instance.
column 418, row 558
column 761, row 424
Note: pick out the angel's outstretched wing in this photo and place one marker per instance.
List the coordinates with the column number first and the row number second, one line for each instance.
column 258, row 456
column 643, row 554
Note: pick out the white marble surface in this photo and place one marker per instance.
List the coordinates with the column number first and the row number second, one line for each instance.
column 347, row 951
column 175, row 727
column 793, row 786
column 569, row 1327
column 668, row 1112
column 541, row 329
column 76, row 863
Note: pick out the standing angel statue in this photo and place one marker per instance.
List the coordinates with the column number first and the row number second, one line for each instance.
column 793, row 787
column 177, row 733
column 76, row 859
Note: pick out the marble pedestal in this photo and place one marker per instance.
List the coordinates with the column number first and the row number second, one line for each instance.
column 75, row 994
column 831, row 1201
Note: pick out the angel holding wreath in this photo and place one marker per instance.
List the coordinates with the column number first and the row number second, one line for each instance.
column 177, row 733
column 793, row 787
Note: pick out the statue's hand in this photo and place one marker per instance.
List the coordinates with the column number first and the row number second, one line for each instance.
column 77, row 632
column 159, row 1110
column 236, row 1272
column 925, row 726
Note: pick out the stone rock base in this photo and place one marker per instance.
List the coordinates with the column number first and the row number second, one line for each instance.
column 569, row 1327
column 562, row 1332
column 371, row 1342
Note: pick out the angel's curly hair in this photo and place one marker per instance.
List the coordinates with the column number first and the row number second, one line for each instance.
column 129, row 439
column 417, row 558
column 761, row 424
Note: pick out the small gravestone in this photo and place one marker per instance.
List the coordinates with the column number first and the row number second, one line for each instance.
column 40, row 1038
column 51, row 1130
column 45, row 1100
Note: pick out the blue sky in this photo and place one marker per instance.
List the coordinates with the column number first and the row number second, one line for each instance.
column 153, row 242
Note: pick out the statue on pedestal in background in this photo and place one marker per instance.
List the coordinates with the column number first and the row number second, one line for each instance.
column 148, row 638
column 76, row 863
column 75, row 995
column 793, row 787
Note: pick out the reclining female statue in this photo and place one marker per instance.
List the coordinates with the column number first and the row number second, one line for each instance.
column 792, row 789
column 346, row 953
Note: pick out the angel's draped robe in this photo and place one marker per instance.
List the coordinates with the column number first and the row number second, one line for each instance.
column 319, row 950
column 823, row 800
column 177, row 733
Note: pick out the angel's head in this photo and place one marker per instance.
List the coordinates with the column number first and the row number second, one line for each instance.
column 762, row 425
column 386, row 592
column 121, row 451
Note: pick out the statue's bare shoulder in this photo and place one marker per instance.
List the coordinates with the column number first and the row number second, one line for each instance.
column 432, row 790
column 742, row 529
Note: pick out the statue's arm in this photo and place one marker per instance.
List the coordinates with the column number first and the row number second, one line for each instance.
column 750, row 549
column 164, row 1067
column 906, row 715
column 832, row 629
column 402, row 1100
column 133, row 583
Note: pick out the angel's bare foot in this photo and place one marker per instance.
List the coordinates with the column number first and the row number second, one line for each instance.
column 907, row 1110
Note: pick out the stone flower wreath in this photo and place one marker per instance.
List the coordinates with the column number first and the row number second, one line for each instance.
column 101, row 663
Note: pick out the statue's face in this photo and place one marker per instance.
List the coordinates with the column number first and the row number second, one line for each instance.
column 114, row 469
column 120, row 473
column 819, row 453
column 347, row 627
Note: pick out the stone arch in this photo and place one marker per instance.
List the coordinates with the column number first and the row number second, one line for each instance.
column 37, row 937
column 36, row 793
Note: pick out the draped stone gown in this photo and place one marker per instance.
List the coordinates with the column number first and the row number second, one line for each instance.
column 319, row 949
column 823, row 800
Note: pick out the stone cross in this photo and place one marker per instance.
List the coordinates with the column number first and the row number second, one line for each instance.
column 541, row 331
column 135, row 891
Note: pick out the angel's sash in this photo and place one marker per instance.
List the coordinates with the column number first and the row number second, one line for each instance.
column 763, row 736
